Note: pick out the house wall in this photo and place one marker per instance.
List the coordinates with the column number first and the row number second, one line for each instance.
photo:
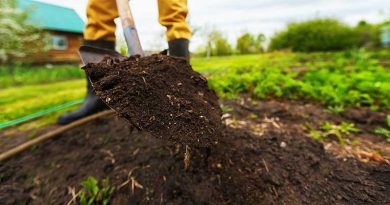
column 68, row 55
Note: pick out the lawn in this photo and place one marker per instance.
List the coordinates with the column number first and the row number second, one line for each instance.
column 16, row 102
column 337, row 80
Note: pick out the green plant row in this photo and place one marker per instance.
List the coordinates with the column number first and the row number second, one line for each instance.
column 337, row 80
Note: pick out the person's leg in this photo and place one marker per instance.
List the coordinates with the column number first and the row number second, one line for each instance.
column 99, row 32
column 172, row 15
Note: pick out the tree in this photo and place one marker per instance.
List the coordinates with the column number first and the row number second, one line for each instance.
column 18, row 38
column 216, row 43
column 315, row 35
column 222, row 47
column 368, row 34
column 247, row 43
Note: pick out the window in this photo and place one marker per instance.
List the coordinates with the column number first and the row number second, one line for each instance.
column 59, row 43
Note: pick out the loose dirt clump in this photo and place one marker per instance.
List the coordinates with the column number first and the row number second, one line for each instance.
column 160, row 94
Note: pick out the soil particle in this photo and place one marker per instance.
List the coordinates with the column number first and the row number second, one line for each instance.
column 160, row 94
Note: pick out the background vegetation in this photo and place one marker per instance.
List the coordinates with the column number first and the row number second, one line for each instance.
column 322, row 34
column 18, row 38
column 337, row 80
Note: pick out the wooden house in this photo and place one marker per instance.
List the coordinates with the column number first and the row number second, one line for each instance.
column 64, row 26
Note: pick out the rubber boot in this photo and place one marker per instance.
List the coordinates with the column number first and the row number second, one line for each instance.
column 179, row 48
column 92, row 104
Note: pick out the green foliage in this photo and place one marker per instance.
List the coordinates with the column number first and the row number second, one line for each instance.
column 315, row 35
column 17, row 37
column 247, row 43
column 216, row 43
column 383, row 131
column 368, row 34
column 226, row 108
column 338, row 80
column 328, row 129
column 92, row 194
column 222, row 47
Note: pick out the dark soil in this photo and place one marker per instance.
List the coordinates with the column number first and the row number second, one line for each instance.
column 277, row 167
column 160, row 94
column 299, row 116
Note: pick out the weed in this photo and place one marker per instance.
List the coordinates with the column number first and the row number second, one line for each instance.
column 226, row 108
column 92, row 194
column 328, row 129
column 384, row 131
column 336, row 109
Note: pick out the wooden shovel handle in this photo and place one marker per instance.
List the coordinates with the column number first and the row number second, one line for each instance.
column 129, row 30
column 125, row 13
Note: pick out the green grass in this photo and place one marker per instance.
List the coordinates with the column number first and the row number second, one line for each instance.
column 18, row 75
column 338, row 80
column 19, row 101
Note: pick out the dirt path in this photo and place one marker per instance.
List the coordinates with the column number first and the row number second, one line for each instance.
column 259, row 160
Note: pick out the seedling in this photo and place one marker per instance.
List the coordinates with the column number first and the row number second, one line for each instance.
column 226, row 108
column 328, row 129
column 384, row 131
column 336, row 109
column 92, row 194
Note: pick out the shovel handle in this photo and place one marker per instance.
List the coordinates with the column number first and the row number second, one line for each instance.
column 129, row 30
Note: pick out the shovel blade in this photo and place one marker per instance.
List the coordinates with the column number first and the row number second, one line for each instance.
column 91, row 54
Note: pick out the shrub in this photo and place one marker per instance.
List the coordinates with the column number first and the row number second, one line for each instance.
column 247, row 43
column 368, row 35
column 222, row 47
column 315, row 35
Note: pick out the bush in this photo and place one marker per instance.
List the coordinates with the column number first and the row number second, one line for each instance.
column 222, row 47
column 216, row 44
column 315, row 35
column 247, row 43
column 368, row 34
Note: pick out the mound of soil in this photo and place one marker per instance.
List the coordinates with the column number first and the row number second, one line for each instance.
column 160, row 94
column 278, row 167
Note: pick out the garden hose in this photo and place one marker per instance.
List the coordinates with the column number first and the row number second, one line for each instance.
column 40, row 113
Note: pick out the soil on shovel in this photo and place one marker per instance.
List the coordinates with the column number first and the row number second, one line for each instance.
column 277, row 167
column 160, row 94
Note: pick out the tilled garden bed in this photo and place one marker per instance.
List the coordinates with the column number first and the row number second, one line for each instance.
column 278, row 166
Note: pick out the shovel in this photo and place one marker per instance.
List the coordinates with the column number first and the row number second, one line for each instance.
column 91, row 54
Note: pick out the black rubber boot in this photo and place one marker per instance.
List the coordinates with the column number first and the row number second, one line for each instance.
column 179, row 48
column 92, row 104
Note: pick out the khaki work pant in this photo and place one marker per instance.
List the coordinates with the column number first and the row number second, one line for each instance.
column 101, row 15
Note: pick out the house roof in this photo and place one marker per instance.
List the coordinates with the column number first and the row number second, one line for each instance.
column 52, row 17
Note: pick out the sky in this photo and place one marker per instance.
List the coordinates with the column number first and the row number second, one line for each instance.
column 234, row 17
